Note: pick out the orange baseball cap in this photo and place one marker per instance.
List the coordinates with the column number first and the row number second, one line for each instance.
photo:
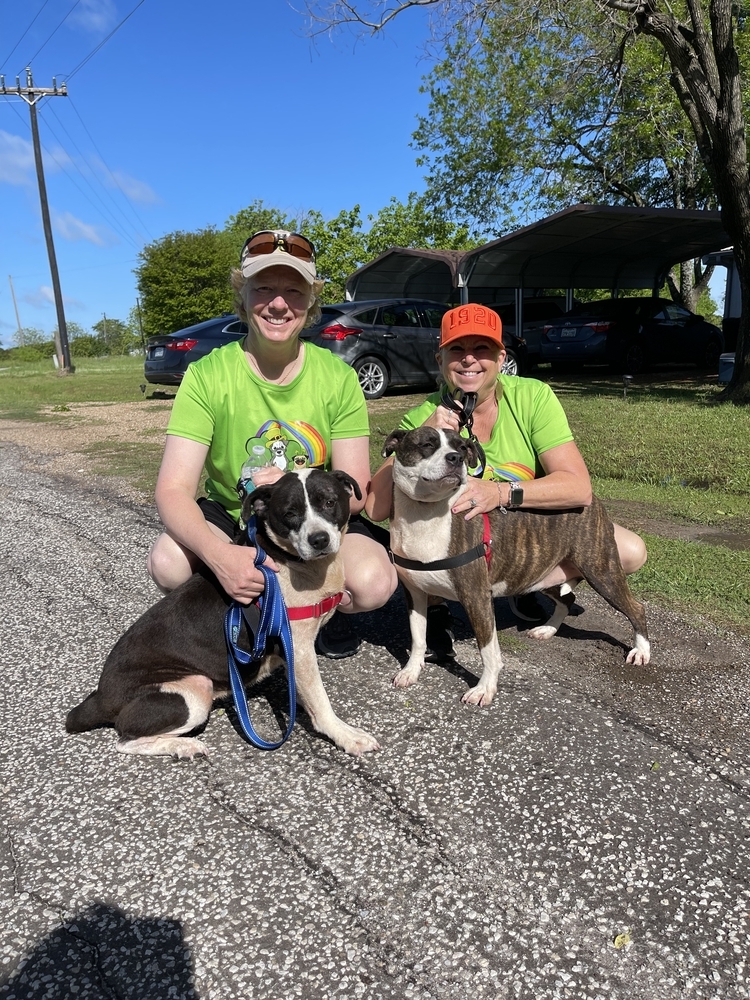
column 471, row 320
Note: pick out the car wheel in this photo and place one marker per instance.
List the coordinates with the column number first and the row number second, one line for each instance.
column 511, row 365
column 373, row 377
column 708, row 356
column 634, row 359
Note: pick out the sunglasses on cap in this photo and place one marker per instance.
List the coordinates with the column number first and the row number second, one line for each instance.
column 271, row 240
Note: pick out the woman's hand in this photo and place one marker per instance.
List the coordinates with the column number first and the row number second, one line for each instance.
column 480, row 496
column 236, row 572
column 267, row 475
column 443, row 419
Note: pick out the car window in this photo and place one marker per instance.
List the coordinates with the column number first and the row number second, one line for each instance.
column 237, row 327
column 399, row 316
column 366, row 316
column 676, row 312
column 534, row 311
column 434, row 315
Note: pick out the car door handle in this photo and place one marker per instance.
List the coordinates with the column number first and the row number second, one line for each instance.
column 389, row 336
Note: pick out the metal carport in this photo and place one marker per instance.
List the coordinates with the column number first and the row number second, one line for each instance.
column 586, row 246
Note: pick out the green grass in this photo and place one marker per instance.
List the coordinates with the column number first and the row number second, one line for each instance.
column 26, row 387
column 666, row 449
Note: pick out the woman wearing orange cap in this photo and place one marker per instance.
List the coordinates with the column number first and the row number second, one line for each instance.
column 531, row 457
column 253, row 410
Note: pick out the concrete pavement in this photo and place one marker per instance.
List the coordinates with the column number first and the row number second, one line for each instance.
column 583, row 837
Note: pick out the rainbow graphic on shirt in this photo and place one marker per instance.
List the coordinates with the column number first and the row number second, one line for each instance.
column 512, row 472
column 295, row 435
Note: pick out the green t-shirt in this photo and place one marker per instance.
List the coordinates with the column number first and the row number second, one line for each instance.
column 530, row 421
column 248, row 423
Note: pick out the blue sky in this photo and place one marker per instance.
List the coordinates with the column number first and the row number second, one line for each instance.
column 190, row 112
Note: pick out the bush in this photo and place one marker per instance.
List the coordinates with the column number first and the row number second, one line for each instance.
column 88, row 347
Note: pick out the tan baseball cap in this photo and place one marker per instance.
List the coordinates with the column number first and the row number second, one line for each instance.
column 471, row 320
column 278, row 248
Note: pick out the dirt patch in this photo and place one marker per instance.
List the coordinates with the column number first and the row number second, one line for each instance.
column 636, row 516
column 65, row 437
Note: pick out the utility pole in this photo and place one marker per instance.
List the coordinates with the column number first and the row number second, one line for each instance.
column 32, row 95
column 15, row 306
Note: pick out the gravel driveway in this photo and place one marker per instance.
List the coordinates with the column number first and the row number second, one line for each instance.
column 586, row 836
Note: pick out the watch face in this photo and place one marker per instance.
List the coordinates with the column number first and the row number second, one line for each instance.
column 516, row 495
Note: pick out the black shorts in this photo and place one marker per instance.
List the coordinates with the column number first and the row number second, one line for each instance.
column 214, row 513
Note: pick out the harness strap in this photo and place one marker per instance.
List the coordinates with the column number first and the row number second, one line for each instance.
column 451, row 562
column 315, row 610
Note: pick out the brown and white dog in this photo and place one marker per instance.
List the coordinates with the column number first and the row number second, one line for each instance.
column 429, row 473
column 161, row 678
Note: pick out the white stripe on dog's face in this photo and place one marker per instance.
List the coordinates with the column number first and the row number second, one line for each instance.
column 430, row 464
column 307, row 514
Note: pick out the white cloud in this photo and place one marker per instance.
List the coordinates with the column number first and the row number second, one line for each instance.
column 73, row 229
column 43, row 297
column 95, row 15
column 16, row 159
column 134, row 189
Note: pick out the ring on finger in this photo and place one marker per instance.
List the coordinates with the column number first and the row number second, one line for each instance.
column 473, row 502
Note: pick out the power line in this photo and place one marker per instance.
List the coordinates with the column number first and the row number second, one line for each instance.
column 128, row 222
column 114, row 179
column 51, row 35
column 113, row 221
column 52, row 156
column 104, row 41
column 25, row 33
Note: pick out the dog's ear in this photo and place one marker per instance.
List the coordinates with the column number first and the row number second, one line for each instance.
column 472, row 455
column 257, row 501
column 392, row 441
column 350, row 485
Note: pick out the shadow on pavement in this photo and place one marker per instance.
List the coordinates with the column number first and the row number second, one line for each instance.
column 104, row 953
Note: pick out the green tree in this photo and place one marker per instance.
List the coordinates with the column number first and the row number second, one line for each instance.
column 570, row 113
column 702, row 45
column 183, row 278
column 416, row 224
column 29, row 336
column 114, row 334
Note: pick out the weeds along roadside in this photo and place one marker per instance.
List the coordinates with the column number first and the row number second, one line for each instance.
column 664, row 453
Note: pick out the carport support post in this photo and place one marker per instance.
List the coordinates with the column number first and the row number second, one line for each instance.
column 519, row 311
column 32, row 95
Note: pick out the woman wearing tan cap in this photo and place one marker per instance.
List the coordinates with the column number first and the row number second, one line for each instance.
column 531, row 457
column 249, row 412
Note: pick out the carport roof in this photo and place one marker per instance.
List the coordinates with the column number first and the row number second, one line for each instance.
column 586, row 246
column 402, row 272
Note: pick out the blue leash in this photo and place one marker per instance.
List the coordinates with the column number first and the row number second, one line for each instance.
column 274, row 622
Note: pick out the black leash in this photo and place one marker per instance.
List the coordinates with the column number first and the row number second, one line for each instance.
column 463, row 404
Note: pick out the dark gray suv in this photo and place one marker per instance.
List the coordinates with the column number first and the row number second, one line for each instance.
column 386, row 341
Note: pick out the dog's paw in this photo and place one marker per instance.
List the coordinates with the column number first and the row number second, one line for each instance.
column 407, row 677
column 542, row 632
column 479, row 695
column 354, row 741
column 640, row 654
column 178, row 747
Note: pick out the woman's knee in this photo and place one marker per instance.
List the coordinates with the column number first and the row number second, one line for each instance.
column 167, row 564
column 371, row 579
column 631, row 548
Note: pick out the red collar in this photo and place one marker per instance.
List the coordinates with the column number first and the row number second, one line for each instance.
column 315, row 610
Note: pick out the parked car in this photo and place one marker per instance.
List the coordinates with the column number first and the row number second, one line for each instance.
column 388, row 341
column 537, row 314
column 167, row 357
column 631, row 333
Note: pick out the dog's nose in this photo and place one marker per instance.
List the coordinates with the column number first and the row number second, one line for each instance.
column 454, row 458
column 318, row 540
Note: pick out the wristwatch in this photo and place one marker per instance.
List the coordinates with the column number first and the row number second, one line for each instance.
column 515, row 497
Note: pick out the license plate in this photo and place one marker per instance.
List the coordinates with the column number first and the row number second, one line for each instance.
column 568, row 333
column 158, row 352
